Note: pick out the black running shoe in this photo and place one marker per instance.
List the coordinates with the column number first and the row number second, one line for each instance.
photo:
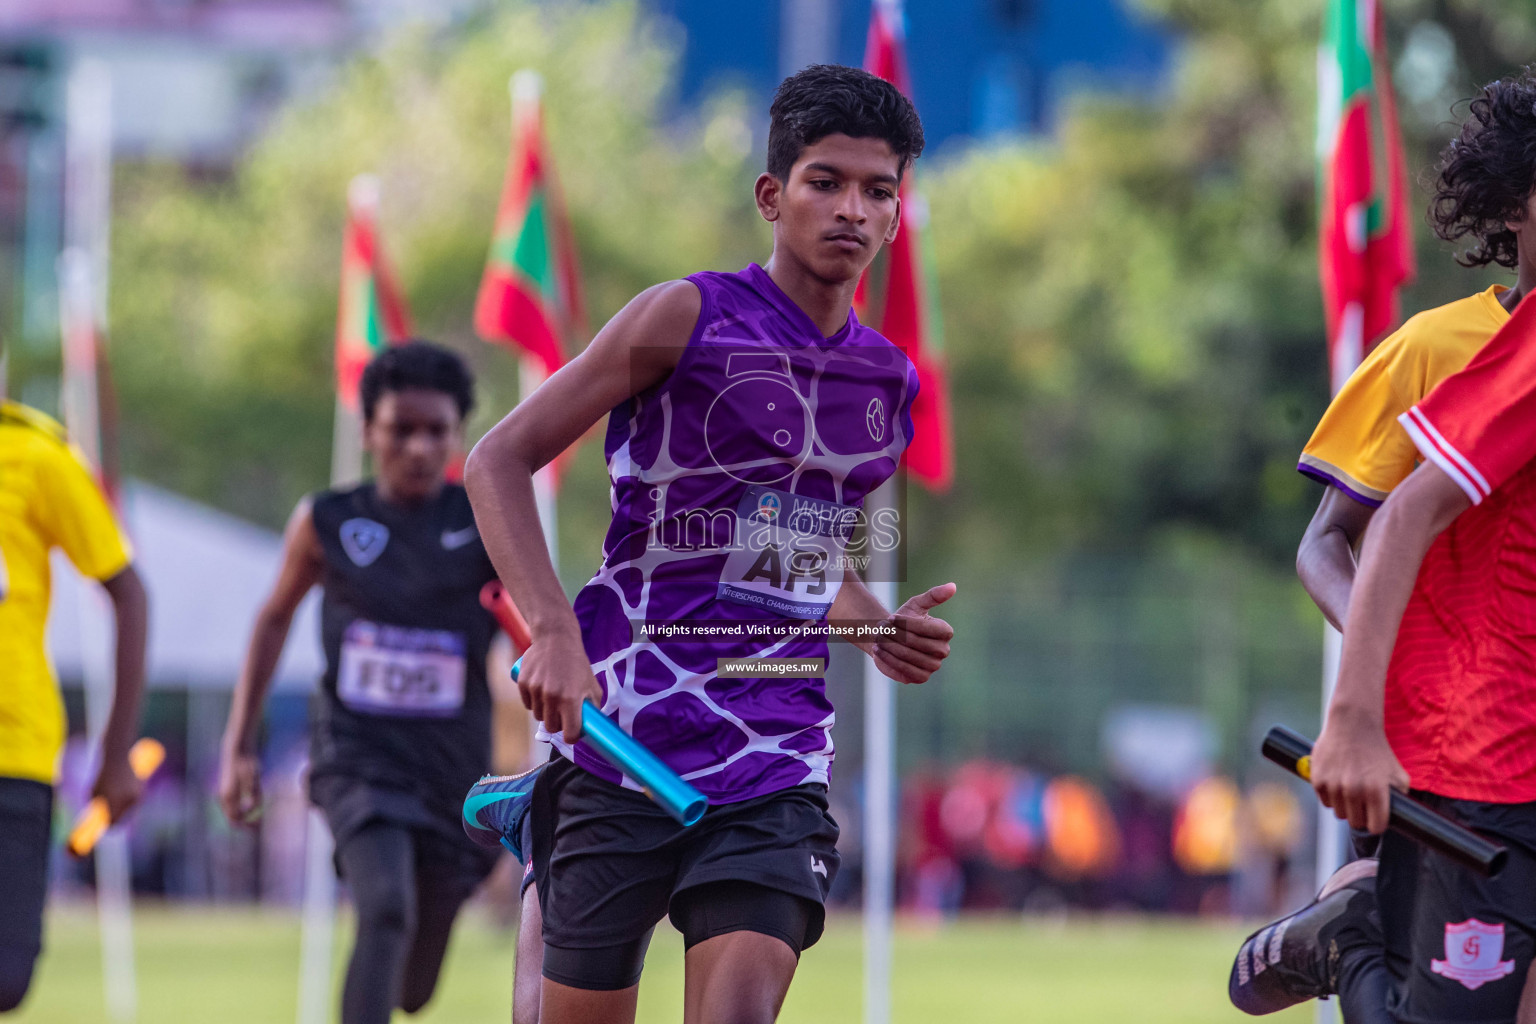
column 1297, row 957
column 494, row 809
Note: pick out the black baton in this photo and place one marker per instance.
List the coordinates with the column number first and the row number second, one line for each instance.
column 1293, row 752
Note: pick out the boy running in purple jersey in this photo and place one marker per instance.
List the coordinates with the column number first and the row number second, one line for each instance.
column 750, row 414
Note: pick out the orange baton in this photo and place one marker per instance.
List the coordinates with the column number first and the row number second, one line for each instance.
column 144, row 757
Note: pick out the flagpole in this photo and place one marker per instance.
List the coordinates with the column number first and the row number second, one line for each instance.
column 530, row 374
column 346, row 446
column 526, row 89
column 83, row 307
column 317, row 930
column 879, row 788
column 318, row 914
column 1348, row 350
column 884, row 57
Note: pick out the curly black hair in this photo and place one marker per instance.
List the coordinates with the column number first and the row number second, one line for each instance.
column 1488, row 172
column 830, row 99
column 417, row 364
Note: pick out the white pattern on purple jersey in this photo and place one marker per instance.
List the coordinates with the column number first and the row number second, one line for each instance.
column 735, row 486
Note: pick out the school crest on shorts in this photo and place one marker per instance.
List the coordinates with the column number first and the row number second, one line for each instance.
column 1472, row 951
column 363, row 540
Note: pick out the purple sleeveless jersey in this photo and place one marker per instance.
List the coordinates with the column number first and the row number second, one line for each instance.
column 738, row 486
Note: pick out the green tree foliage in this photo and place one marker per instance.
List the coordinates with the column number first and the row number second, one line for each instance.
column 224, row 297
column 1137, row 343
column 1131, row 311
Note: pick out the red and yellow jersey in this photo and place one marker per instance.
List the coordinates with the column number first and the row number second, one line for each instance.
column 1461, row 686
column 48, row 499
column 1358, row 446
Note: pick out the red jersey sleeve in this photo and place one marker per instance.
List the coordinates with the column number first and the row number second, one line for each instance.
column 1479, row 425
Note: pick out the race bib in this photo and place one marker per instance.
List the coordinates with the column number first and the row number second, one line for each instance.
column 395, row 670
column 788, row 553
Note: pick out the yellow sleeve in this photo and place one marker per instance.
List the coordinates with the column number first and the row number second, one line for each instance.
column 1358, row 446
column 75, row 516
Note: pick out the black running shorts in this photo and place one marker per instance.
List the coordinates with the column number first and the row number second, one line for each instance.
column 610, row 864
column 349, row 804
column 1459, row 945
column 26, row 820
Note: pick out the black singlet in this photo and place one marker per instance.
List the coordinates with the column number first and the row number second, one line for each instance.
column 403, row 703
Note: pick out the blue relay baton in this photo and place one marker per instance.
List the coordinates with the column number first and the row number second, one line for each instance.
column 630, row 756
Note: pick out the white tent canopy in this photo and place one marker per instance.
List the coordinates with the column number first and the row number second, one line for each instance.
column 207, row 573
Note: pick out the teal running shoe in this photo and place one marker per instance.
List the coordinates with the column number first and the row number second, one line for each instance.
column 496, row 807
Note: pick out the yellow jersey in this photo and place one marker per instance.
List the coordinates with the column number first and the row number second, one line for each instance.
column 48, row 499
column 1358, row 446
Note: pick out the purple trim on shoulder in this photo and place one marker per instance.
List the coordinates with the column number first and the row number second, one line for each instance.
column 1333, row 481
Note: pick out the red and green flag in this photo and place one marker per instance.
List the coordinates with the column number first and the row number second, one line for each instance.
column 371, row 313
column 1365, row 245
column 909, row 313
column 530, row 295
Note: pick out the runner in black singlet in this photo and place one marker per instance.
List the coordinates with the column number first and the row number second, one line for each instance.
column 402, row 720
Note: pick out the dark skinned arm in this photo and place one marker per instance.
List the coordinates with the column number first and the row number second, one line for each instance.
column 1353, row 767
column 239, row 765
column 918, row 656
column 1325, row 559
column 115, row 782
column 635, row 350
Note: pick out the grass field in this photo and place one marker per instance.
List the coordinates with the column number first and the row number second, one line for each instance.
column 241, row 967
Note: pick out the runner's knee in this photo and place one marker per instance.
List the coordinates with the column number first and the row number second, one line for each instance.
column 383, row 910
column 377, row 864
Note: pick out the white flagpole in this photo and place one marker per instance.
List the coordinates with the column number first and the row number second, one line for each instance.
column 880, row 742
column 318, row 928
column 527, row 88
column 1332, row 834
column 879, row 791
column 318, row 917
column 83, row 301
column 530, row 374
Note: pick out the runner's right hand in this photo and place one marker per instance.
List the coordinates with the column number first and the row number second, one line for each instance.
column 554, row 679
column 119, row 786
column 240, row 787
column 1354, row 770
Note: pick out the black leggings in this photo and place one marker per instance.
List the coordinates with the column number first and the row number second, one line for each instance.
column 26, row 812
column 404, row 917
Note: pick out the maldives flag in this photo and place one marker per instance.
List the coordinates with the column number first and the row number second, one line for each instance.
column 908, row 319
column 1365, row 246
column 371, row 312
column 530, row 295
